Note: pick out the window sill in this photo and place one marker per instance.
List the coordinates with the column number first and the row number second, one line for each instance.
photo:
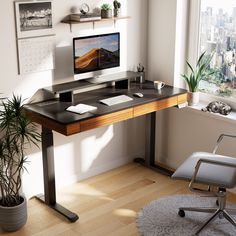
column 229, row 118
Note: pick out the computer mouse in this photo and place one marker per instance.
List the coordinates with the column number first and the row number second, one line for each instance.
column 139, row 95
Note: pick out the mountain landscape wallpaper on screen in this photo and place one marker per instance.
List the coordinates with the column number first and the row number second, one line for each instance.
column 96, row 53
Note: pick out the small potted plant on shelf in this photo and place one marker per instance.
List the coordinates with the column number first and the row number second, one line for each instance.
column 106, row 11
column 117, row 6
column 16, row 132
column 202, row 70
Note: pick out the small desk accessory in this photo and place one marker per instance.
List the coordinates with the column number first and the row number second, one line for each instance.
column 158, row 84
column 81, row 108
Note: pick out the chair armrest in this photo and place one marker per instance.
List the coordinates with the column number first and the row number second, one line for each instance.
column 212, row 162
column 220, row 139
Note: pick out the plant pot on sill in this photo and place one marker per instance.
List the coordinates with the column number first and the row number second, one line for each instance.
column 13, row 218
column 193, row 98
column 106, row 13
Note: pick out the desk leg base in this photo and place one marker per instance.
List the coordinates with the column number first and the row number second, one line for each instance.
column 72, row 217
column 154, row 167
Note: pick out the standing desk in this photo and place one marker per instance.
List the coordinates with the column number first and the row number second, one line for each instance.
column 52, row 116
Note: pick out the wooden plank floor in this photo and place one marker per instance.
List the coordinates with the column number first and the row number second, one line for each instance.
column 107, row 204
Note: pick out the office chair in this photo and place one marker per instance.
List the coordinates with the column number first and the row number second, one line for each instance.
column 215, row 173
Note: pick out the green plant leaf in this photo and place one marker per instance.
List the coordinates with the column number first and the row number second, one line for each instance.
column 191, row 68
column 200, row 58
column 17, row 132
column 201, row 71
column 187, row 80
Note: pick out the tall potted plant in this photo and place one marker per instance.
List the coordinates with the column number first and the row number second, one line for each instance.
column 16, row 132
column 200, row 71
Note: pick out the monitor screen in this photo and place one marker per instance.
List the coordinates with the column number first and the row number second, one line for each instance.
column 97, row 52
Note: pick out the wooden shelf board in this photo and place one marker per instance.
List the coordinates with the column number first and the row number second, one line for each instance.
column 68, row 21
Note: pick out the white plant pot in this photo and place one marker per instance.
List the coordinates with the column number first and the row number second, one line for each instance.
column 193, row 98
column 13, row 218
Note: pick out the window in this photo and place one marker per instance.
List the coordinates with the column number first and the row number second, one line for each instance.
column 217, row 35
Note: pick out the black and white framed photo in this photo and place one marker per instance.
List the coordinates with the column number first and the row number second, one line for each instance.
column 33, row 18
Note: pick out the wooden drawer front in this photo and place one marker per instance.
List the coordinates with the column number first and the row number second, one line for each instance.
column 169, row 102
column 182, row 98
column 106, row 119
column 73, row 129
column 155, row 106
column 145, row 109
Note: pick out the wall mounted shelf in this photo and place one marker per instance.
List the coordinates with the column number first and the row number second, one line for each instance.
column 67, row 20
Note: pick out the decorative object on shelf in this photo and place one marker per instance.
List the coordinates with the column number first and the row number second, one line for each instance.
column 85, row 17
column 106, row 11
column 17, row 132
column 140, row 69
column 33, row 18
column 200, row 72
column 117, row 6
column 218, row 107
column 84, row 9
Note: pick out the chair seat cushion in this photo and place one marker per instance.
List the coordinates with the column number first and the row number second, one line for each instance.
column 209, row 174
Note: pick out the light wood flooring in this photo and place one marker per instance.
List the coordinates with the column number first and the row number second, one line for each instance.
column 107, row 204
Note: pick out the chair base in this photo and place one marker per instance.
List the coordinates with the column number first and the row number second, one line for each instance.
column 217, row 212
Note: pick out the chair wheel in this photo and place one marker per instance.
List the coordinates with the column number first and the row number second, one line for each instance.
column 217, row 203
column 181, row 213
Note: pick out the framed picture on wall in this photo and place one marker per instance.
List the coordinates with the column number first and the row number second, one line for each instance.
column 33, row 18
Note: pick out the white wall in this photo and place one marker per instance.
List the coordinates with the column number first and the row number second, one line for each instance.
column 179, row 131
column 91, row 152
column 186, row 131
column 161, row 40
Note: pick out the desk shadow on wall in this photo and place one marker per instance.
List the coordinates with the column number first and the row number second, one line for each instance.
column 135, row 133
column 63, row 65
column 92, row 152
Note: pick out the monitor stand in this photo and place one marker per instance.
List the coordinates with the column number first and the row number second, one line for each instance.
column 113, row 77
column 66, row 90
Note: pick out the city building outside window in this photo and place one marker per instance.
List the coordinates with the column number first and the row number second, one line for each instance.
column 217, row 35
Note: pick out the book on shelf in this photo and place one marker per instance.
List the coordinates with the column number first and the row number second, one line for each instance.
column 90, row 18
column 86, row 17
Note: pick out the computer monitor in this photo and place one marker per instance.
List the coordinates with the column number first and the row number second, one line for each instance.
column 96, row 53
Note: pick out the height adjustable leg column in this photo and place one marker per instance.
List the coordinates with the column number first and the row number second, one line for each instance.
column 150, row 144
column 49, row 197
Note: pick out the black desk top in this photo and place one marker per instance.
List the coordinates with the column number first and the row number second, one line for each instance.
column 56, row 110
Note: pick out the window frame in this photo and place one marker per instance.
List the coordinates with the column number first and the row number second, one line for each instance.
column 192, row 51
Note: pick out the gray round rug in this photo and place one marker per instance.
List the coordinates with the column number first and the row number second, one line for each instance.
column 160, row 218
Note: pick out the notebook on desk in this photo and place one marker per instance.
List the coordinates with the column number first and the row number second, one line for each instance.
column 81, row 108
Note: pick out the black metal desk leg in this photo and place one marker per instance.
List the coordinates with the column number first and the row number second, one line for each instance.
column 49, row 197
column 150, row 144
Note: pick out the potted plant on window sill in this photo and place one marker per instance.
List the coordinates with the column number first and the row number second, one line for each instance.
column 202, row 70
column 16, row 132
